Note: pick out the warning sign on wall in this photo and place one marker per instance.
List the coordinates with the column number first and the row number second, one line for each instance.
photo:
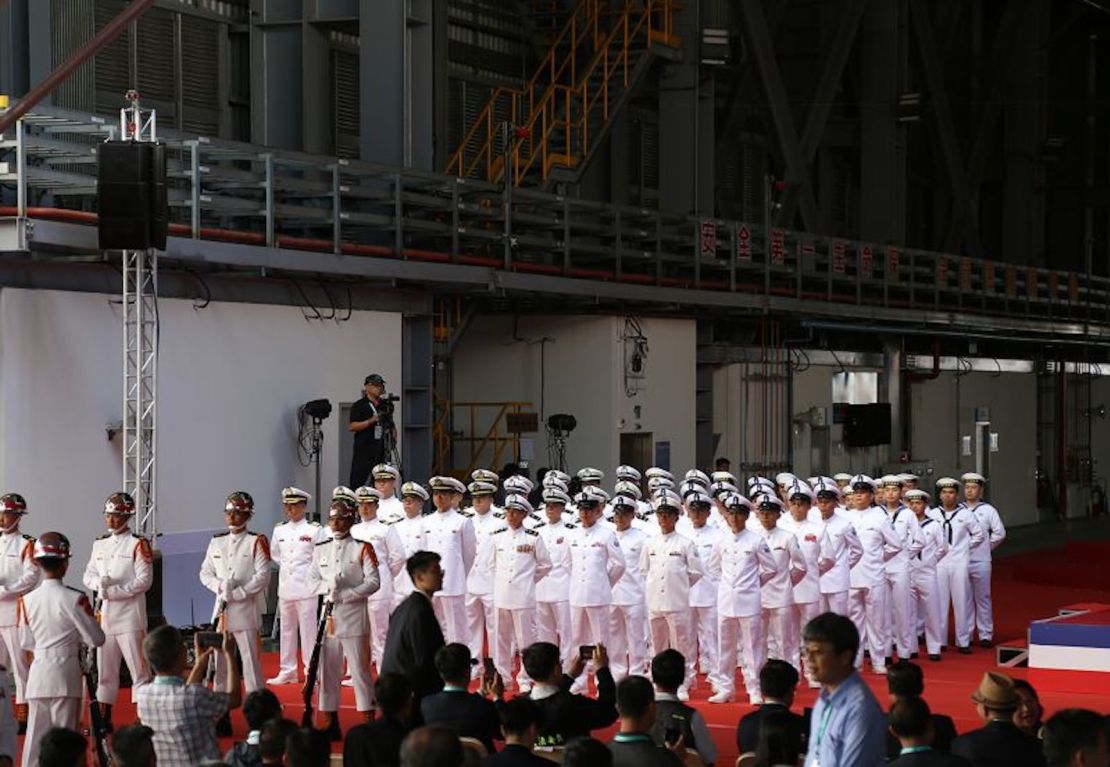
column 709, row 238
column 744, row 243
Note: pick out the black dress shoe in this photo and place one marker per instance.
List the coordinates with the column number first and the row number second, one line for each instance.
column 934, row 656
column 913, row 656
column 335, row 735
column 986, row 643
column 965, row 650
column 223, row 726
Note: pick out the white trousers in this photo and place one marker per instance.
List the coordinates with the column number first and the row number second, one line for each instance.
column 15, row 658
column 836, row 602
column 780, row 637
column 628, row 635
column 979, row 572
column 251, row 653
column 357, row 654
column 127, row 647
column 673, row 631
column 867, row 609
column 704, row 625
column 511, row 626
column 298, row 622
column 903, row 633
column 479, row 625
column 43, row 714
column 378, row 610
column 926, row 597
column 588, row 625
column 553, row 625
column 451, row 612
column 955, row 589
column 746, row 635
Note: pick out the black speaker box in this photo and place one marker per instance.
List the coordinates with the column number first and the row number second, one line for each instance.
column 867, row 425
column 131, row 195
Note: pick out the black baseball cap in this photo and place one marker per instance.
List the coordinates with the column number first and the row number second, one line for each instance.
column 375, row 379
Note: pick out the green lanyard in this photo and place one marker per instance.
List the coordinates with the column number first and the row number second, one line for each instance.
column 630, row 737
column 914, row 750
column 823, row 724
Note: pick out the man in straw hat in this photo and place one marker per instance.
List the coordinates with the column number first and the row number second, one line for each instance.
column 998, row 741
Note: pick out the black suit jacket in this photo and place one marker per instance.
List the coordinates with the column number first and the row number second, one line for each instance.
column 565, row 715
column 515, row 756
column 929, row 759
column 999, row 744
column 376, row 744
column 410, row 645
column 464, row 713
column 747, row 730
column 944, row 732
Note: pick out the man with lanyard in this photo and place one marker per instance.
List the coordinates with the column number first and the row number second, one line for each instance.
column 844, row 544
column 390, row 553
column 961, row 532
column 867, row 603
column 904, row 624
column 979, row 563
column 847, row 727
column 366, row 425
column 923, row 572
column 390, row 509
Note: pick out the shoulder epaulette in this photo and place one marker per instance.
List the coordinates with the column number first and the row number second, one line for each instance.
column 140, row 536
column 323, row 543
column 314, row 523
column 359, row 540
column 530, row 532
column 102, row 537
column 570, row 525
column 390, row 522
column 251, row 532
column 28, row 537
column 221, row 535
column 499, row 514
column 538, row 526
column 499, row 530
column 466, row 513
column 78, row 591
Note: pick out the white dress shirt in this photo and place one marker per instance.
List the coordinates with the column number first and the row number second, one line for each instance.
column 555, row 586
column 740, row 563
column 994, row 532
column 479, row 581
column 517, row 559
column 908, row 531
column 291, row 548
column 596, row 564
column 790, row 567
column 671, row 566
column 388, row 549
column 629, row 590
column 879, row 542
column 450, row 534
column 845, row 550
column 704, row 592
column 817, row 551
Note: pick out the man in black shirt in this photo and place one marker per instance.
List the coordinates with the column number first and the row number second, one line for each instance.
column 365, row 424
column 563, row 714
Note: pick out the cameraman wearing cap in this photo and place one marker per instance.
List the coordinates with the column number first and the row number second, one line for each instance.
column 366, row 424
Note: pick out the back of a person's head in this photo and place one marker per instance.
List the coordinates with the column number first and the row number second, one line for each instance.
column 419, row 562
column 1071, row 730
column 587, row 752
column 271, row 742
column 777, row 679
column 393, row 691
column 837, row 630
column 904, row 679
column 307, row 747
column 540, row 659
column 61, row 747
column 780, row 740
column 635, row 696
column 518, row 714
column 452, row 661
column 133, row 746
column 260, row 707
column 668, row 670
column 910, row 718
column 162, row 648
column 431, row 747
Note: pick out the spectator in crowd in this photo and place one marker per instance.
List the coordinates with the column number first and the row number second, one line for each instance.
column 563, row 714
column 62, row 747
column 181, row 710
column 632, row 746
column 520, row 724
column 668, row 670
column 431, row 747
column 271, row 741
column 847, row 727
column 587, row 752
column 777, row 683
column 414, row 634
column 1076, row 737
column 999, row 741
column 378, row 743
column 259, row 707
column 133, row 746
column 455, row 708
column 913, row 725
column 779, row 741
column 307, row 747
column 1027, row 717
column 905, row 679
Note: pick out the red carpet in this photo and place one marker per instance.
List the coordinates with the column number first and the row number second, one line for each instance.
column 1026, row 587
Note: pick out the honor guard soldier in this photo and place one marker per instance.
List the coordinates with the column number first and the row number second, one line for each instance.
column 120, row 571
column 386, row 476
column 845, row 548
column 236, row 569
column 59, row 618
column 962, row 532
column 516, row 558
column 923, row 572
column 451, row 535
column 18, row 575
column 345, row 572
column 703, row 594
column 291, row 550
column 628, row 628
column 780, row 635
column 479, row 582
column 979, row 563
column 901, row 608
column 553, row 590
column 391, row 558
column 867, row 598
column 410, row 529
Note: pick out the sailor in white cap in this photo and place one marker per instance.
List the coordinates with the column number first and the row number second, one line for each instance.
column 740, row 562
column 390, row 553
column 979, row 563
column 485, row 475
column 479, row 582
column 451, row 535
column 656, row 472
column 867, row 603
column 909, row 481
column 780, row 635
column 553, row 590
column 723, row 476
column 844, row 544
column 590, row 476
column 626, row 473
column 643, row 508
column 410, row 529
column 923, row 572
column 628, row 628
column 386, row 476
column 699, row 477
column 816, row 548
column 962, row 531
column 844, row 480
column 291, row 549
column 703, row 594
column 904, row 625
column 516, row 558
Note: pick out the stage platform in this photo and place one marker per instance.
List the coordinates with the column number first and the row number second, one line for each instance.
column 1071, row 651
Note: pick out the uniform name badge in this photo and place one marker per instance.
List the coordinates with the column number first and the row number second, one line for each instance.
column 377, row 431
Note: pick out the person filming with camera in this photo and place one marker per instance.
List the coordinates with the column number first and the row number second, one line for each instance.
column 373, row 427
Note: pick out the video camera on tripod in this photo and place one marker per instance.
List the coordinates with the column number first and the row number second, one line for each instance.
column 385, row 408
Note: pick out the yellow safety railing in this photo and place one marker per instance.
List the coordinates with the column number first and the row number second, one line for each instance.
column 562, row 95
column 491, row 445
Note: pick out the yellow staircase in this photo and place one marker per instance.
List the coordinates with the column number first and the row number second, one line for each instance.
column 565, row 110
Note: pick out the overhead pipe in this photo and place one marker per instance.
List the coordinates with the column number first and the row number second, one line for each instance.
column 909, row 331
column 106, row 35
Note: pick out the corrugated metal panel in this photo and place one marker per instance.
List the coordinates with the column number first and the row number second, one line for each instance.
column 73, row 24
column 345, row 103
column 200, row 63
column 113, row 63
column 156, row 77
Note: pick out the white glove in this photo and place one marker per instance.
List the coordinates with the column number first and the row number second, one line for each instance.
column 105, row 582
column 226, row 588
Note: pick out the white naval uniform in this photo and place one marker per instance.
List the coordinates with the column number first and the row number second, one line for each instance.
column 817, row 551
column 391, row 510
column 59, row 618
column 926, row 587
column 903, row 634
column 120, row 570
column 596, row 564
column 553, row 590
column 961, row 531
column 780, row 635
column 516, row 559
column 740, row 563
column 18, row 575
column 628, row 625
column 346, row 571
column 391, row 558
column 451, row 535
column 291, row 548
column 411, row 532
column 867, row 597
column 479, row 588
column 703, row 604
column 671, row 566
column 236, row 568
column 846, row 551
column 979, row 567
